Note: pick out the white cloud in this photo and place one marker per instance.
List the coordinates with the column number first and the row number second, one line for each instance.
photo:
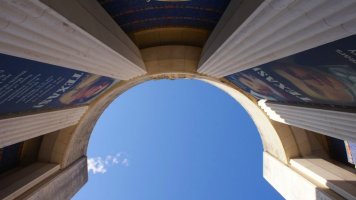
column 100, row 164
column 125, row 162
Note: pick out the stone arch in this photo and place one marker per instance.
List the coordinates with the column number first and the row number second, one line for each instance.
column 277, row 139
column 172, row 62
column 284, row 145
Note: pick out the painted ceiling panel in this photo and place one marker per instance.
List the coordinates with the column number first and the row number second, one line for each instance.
column 137, row 15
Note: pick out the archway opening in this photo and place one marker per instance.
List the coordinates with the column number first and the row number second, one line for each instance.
column 182, row 139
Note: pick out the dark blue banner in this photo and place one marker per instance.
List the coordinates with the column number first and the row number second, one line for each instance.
column 28, row 85
column 322, row 75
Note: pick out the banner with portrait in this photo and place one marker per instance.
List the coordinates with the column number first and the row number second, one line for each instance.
column 322, row 75
column 28, row 85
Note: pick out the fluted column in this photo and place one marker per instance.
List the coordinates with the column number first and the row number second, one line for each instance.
column 62, row 185
column 332, row 123
column 328, row 175
column 291, row 184
column 15, row 184
column 17, row 129
column 32, row 30
column 276, row 29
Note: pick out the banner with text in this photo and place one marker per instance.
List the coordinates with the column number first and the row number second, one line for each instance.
column 322, row 75
column 28, row 85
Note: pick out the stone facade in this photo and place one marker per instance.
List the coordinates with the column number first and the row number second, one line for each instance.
column 79, row 37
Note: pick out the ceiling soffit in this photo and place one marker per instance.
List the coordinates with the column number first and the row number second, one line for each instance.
column 155, row 23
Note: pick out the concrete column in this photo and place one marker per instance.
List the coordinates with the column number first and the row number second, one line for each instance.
column 276, row 29
column 17, row 129
column 15, row 184
column 291, row 184
column 32, row 30
column 62, row 185
column 337, row 124
column 328, row 175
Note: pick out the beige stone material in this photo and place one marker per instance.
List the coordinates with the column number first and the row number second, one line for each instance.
column 276, row 29
column 277, row 139
column 29, row 151
column 291, row 184
column 170, row 36
column 77, row 137
column 32, row 30
column 235, row 15
column 79, row 34
column 16, row 183
column 310, row 143
column 333, row 123
column 17, row 129
column 62, row 185
column 328, row 175
column 54, row 145
column 171, row 59
column 166, row 62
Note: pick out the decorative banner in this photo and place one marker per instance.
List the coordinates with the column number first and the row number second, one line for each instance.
column 10, row 156
column 28, row 85
column 351, row 152
column 322, row 75
column 137, row 15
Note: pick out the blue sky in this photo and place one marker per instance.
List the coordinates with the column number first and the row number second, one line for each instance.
column 175, row 140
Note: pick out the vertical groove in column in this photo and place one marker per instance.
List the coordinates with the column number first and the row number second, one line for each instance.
column 291, row 184
column 62, row 185
column 328, row 175
column 15, row 184
column 335, row 124
column 290, row 27
column 31, row 30
column 17, row 129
